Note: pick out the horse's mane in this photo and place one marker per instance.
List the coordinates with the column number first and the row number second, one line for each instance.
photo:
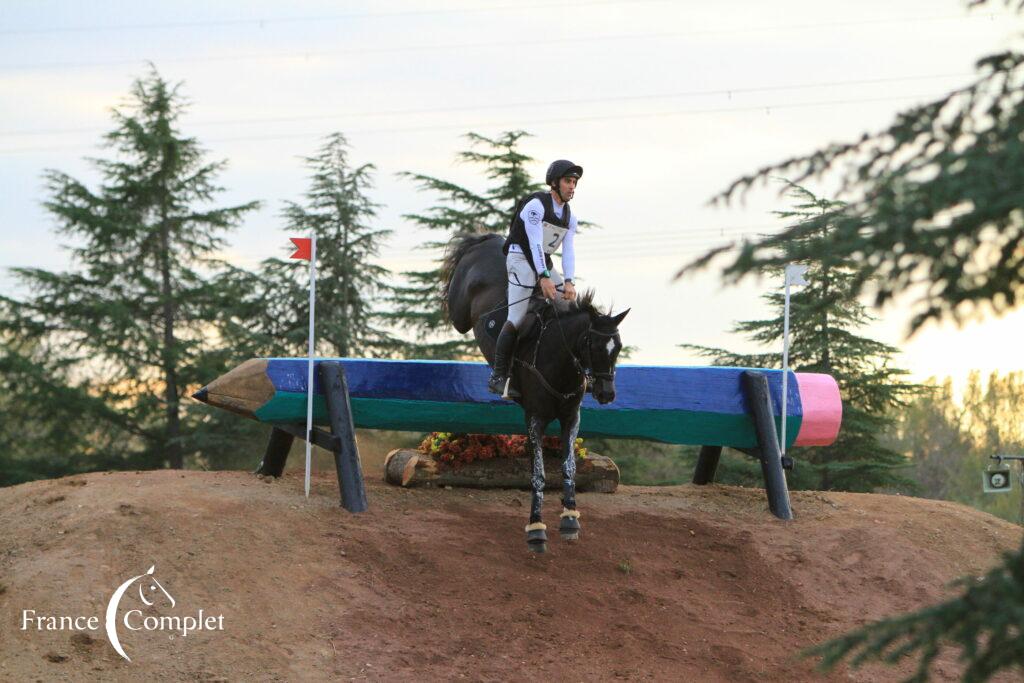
column 456, row 249
column 583, row 306
column 585, row 302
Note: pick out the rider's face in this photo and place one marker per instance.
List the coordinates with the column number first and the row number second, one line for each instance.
column 568, row 187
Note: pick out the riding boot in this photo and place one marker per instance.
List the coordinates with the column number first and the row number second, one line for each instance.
column 502, row 356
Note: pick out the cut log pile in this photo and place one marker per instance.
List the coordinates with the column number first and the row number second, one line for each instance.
column 409, row 467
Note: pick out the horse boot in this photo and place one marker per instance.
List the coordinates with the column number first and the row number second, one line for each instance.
column 503, row 348
column 536, row 537
column 569, row 525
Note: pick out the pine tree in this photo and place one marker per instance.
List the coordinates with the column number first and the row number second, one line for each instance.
column 48, row 428
column 349, row 284
column 127, row 331
column 460, row 210
column 824, row 317
column 937, row 197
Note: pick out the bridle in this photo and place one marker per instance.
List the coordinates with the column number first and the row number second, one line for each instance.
column 581, row 359
column 607, row 375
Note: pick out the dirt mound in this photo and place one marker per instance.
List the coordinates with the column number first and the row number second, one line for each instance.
column 681, row 583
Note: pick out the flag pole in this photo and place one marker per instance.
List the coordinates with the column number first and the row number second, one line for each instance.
column 794, row 275
column 785, row 367
column 309, row 375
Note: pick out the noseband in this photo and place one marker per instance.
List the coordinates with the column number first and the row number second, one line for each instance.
column 609, row 374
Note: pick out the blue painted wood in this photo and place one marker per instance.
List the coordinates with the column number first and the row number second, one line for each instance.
column 638, row 387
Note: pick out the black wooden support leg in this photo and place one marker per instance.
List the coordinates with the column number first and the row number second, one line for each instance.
column 276, row 454
column 346, row 454
column 707, row 465
column 759, row 402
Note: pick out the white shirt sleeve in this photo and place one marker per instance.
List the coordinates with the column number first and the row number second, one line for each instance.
column 533, row 218
column 569, row 250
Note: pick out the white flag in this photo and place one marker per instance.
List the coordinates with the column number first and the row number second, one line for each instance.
column 795, row 274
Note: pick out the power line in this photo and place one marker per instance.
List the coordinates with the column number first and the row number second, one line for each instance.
column 729, row 92
column 261, row 22
column 765, row 108
column 487, row 45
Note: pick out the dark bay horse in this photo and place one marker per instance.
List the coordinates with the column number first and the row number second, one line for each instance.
column 558, row 352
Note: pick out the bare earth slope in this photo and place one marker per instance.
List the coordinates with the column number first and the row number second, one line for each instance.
column 682, row 583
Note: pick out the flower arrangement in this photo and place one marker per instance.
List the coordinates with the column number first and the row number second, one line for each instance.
column 460, row 449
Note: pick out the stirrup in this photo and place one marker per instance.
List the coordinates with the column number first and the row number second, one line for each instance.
column 502, row 387
column 509, row 392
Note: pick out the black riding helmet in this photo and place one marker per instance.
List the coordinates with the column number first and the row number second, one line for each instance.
column 560, row 169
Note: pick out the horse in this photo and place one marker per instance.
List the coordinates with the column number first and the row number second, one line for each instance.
column 565, row 348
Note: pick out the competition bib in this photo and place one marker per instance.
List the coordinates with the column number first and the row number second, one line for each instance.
column 553, row 236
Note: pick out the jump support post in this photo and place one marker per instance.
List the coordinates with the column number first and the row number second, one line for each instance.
column 341, row 440
column 755, row 389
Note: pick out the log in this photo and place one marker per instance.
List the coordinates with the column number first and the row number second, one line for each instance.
column 696, row 406
column 409, row 467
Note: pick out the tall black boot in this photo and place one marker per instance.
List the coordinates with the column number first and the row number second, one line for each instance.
column 503, row 348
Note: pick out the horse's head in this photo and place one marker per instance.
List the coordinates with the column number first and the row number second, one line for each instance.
column 601, row 346
column 149, row 586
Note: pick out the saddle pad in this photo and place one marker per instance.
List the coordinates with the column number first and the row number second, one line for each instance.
column 494, row 321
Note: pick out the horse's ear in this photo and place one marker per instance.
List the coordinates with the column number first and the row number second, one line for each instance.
column 618, row 319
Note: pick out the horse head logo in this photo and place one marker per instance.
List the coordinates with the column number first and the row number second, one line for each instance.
column 149, row 590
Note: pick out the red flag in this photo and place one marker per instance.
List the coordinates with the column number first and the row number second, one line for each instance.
column 304, row 247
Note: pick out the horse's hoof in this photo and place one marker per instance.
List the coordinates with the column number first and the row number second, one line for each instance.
column 537, row 540
column 569, row 528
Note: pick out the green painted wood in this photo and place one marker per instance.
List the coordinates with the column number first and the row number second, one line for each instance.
column 666, row 426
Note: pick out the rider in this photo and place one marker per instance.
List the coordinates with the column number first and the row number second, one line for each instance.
column 541, row 222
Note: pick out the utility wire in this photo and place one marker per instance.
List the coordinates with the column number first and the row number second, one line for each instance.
column 396, row 49
column 729, row 92
column 765, row 108
column 261, row 22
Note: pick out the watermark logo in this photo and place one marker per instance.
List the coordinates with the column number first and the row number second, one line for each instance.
column 150, row 591
column 115, row 601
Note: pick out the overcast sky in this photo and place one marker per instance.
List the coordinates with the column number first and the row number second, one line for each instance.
column 662, row 103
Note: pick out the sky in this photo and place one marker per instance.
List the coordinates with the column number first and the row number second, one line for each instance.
column 663, row 103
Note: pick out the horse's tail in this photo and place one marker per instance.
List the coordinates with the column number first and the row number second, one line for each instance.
column 457, row 248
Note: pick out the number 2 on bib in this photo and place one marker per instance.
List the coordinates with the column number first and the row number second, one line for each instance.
column 553, row 236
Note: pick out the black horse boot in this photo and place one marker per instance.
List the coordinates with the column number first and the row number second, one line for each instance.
column 503, row 348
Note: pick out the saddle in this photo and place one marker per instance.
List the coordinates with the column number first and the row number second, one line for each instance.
column 536, row 310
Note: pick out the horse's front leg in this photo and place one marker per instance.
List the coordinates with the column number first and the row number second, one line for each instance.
column 569, row 526
column 536, row 538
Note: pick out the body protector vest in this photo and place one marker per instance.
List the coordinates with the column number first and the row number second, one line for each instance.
column 555, row 228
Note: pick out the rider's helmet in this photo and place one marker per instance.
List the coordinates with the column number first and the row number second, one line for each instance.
column 561, row 169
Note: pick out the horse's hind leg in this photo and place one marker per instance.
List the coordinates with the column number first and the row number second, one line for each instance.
column 536, row 538
column 569, row 526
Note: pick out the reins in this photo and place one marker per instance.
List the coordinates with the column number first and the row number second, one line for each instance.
column 585, row 377
column 532, row 367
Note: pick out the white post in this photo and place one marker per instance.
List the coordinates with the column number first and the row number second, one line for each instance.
column 309, row 375
column 795, row 276
column 785, row 367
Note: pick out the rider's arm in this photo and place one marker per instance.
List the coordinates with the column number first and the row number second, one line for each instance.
column 569, row 251
column 533, row 218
